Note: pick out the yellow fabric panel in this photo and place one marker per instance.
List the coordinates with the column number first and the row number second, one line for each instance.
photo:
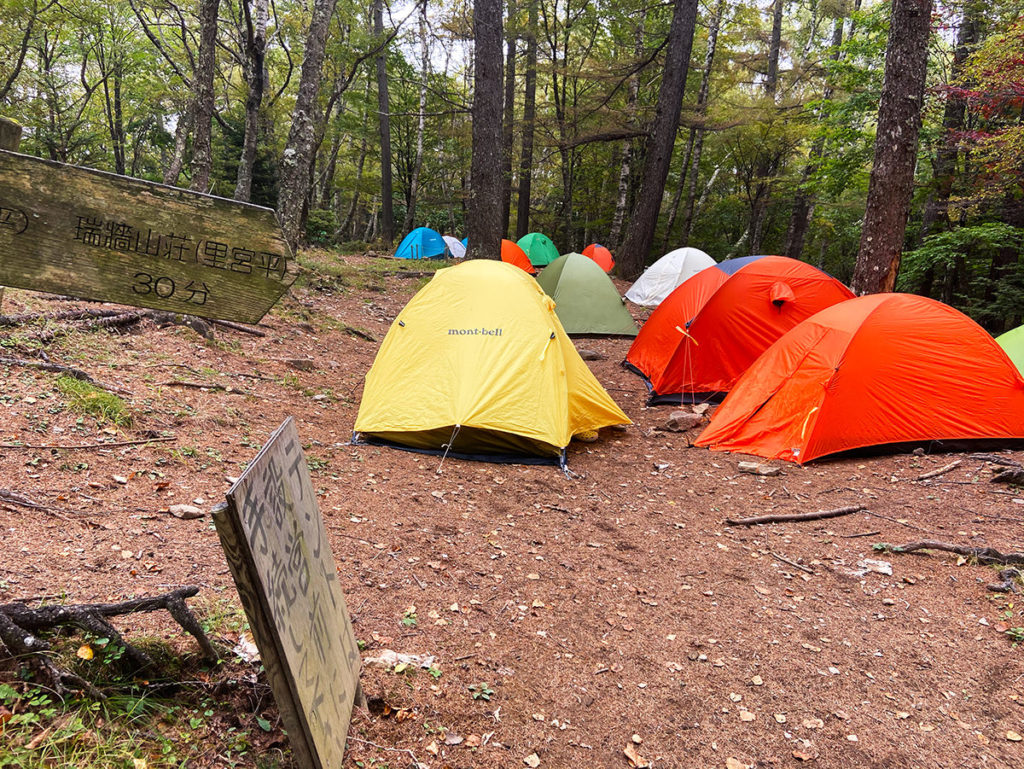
column 474, row 347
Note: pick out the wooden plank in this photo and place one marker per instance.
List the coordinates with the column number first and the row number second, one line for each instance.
column 10, row 138
column 71, row 230
column 277, row 549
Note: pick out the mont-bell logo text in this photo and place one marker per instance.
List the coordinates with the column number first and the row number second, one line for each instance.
column 475, row 331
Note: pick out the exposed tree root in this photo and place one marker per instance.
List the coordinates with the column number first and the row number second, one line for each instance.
column 790, row 517
column 19, row 625
column 985, row 555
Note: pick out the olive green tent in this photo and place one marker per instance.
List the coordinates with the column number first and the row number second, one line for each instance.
column 1013, row 343
column 539, row 248
column 586, row 300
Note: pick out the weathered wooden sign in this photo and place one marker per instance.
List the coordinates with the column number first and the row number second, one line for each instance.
column 277, row 548
column 71, row 230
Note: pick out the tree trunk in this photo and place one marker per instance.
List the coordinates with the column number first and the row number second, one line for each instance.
column 944, row 166
column 173, row 171
column 300, row 149
column 484, row 230
column 803, row 205
column 529, row 115
column 384, row 118
column 417, row 165
column 625, row 167
column 899, row 123
column 507, row 132
column 202, row 84
column 255, row 57
column 640, row 232
column 767, row 163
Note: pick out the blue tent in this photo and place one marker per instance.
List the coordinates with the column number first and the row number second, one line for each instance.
column 421, row 243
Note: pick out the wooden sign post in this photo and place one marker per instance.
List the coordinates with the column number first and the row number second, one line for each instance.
column 94, row 235
column 10, row 138
column 277, row 548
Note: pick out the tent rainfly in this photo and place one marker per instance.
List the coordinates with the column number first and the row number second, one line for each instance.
column 421, row 243
column 659, row 280
column 454, row 247
column 1013, row 342
column 877, row 370
column 477, row 366
column 538, row 249
column 601, row 255
column 511, row 253
column 586, row 300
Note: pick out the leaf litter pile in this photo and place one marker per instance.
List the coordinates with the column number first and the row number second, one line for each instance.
column 510, row 615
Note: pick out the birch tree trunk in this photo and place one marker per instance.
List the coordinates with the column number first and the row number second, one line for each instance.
column 301, row 146
column 768, row 162
column 202, row 83
column 625, row 167
column 417, row 165
column 484, row 214
column 384, row 119
column 899, row 124
column 640, row 232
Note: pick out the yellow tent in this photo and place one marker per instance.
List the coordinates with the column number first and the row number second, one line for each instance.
column 477, row 365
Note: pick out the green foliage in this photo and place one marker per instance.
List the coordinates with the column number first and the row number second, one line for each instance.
column 481, row 691
column 89, row 399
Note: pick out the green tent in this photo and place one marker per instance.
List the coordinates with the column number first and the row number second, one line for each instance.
column 1013, row 343
column 586, row 300
column 539, row 248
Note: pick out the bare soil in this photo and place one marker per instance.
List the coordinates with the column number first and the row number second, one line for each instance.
column 608, row 610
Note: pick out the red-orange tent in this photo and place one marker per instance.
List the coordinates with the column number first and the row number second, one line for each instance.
column 761, row 298
column 601, row 255
column 513, row 254
column 880, row 369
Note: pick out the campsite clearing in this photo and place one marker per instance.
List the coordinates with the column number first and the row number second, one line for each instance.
column 609, row 619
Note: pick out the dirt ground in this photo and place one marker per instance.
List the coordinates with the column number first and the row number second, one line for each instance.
column 613, row 616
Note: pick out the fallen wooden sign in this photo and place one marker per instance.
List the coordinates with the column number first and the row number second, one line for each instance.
column 277, row 549
column 95, row 235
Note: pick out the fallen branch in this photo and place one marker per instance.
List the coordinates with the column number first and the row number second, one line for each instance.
column 56, row 368
column 1006, row 583
column 1014, row 475
column 996, row 460
column 984, row 555
column 795, row 565
column 201, row 386
column 19, row 625
column 790, row 517
column 940, row 471
column 239, row 327
column 86, row 446
column 28, row 317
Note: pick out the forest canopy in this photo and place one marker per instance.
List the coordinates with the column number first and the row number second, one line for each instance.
column 772, row 155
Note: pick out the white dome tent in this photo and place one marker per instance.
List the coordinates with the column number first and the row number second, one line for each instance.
column 662, row 277
column 455, row 247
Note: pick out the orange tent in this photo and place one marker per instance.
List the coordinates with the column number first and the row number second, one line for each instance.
column 513, row 254
column 880, row 369
column 761, row 298
column 601, row 255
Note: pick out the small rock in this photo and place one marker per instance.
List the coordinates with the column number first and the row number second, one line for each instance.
column 591, row 355
column 185, row 512
column 681, row 421
column 120, row 479
column 700, row 408
column 587, row 436
column 532, row 761
column 300, row 364
column 879, row 567
column 756, row 468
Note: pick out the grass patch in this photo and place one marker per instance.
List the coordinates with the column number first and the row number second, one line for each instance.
column 88, row 399
column 327, row 270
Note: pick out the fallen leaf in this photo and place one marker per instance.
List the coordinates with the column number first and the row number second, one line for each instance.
column 532, row 761
column 433, row 748
column 538, row 716
column 139, row 763
column 1013, row 736
column 473, row 741
column 634, row 757
column 746, row 715
column 453, row 739
column 5, row 715
column 813, row 723
column 902, row 714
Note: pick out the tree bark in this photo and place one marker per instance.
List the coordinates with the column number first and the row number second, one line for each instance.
column 202, row 83
column 417, row 165
column 384, row 120
column 640, row 233
column 899, row 124
column 255, row 56
column 484, row 229
column 300, row 149
column 529, row 116
column 507, row 131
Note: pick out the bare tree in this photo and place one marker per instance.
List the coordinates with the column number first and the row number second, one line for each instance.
column 384, row 123
column 484, row 229
column 899, row 123
column 255, row 20
column 529, row 118
column 640, row 232
column 202, row 110
column 417, row 166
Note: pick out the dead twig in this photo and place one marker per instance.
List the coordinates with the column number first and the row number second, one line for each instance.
column 406, row 751
column 201, row 386
column 862, row 534
column 795, row 565
column 28, row 317
column 790, row 517
column 239, row 327
column 996, row 460
column 941, row 471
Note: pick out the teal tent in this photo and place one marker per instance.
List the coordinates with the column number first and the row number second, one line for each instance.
column 421, row 243
column 586, row 300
